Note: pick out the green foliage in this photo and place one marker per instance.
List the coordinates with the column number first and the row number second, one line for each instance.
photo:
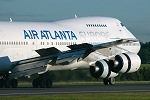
column 92, row 96
column 72, row 75
column 145, row 53
column 84, row 75
column 78, row 75
column 140, row 75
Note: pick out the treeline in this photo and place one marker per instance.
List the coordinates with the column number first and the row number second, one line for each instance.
column 141, row 75
column 145, row 53
column 84, row 75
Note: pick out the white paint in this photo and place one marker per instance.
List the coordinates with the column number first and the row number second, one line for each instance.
column 87, row 30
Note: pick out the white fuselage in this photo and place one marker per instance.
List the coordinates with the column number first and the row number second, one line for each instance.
column 19, row 40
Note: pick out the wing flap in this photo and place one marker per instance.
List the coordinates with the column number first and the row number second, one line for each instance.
column 69, row 55
column 47, row 51
column 80, row 46
column 27, row 72
column 29, row 66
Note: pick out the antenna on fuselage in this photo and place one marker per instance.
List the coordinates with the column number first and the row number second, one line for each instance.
column 10, row 19
column 75, row 16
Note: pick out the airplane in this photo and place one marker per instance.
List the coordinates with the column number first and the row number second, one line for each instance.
column 101, row 44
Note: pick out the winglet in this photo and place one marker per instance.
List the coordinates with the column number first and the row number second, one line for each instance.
column 75, row 16
column 10, row 19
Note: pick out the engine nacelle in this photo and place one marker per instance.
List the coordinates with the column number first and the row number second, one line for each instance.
column 5, row 64
column 101, row 70
column 126, row 63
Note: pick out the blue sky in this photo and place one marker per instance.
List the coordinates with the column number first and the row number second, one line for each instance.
column 134, row 14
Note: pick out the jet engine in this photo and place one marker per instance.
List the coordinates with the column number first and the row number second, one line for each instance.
column 5, row 64
column 101, row 70
column 126, row 63
column 123, row 63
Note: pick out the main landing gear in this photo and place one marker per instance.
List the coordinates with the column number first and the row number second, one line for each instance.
column 110, row 81
column 6, row 82
column 43, row 81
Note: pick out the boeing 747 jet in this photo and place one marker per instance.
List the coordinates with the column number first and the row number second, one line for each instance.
column 103, row 45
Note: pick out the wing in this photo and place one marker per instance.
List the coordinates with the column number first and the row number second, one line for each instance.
column 53, row 56
column 117, row 42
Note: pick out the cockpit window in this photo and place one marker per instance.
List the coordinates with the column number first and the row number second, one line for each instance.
column 121, row 24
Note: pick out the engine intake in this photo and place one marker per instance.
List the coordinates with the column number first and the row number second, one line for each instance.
column 101, row 70
column 126, row 63
column 5, row 64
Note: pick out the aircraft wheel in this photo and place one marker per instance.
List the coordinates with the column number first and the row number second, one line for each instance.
column 112, row 81
column 42, row 83
column 48, row 83
column 7, row 83
column 14, row 83
column 1, row 83
column 35, row 83
column 105, row 80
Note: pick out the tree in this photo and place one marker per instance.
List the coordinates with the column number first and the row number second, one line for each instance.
column 145, row 53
